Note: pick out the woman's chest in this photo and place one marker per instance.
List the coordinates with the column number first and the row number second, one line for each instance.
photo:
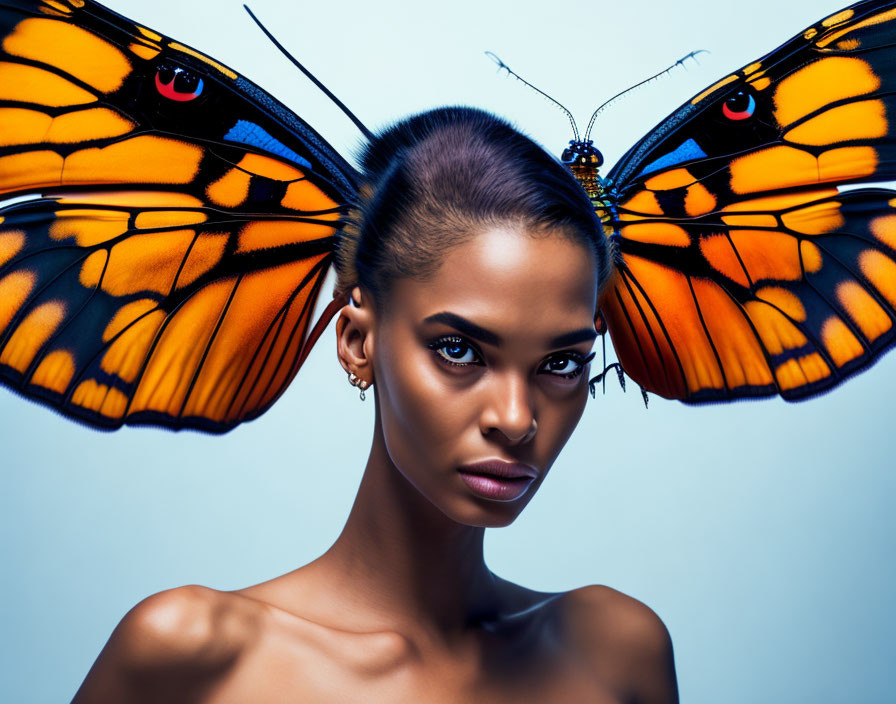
column 324, row 668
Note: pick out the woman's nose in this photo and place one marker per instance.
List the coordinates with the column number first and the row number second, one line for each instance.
column 509, row 411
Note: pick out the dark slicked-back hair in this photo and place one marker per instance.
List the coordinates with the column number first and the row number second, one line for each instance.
column 435, row 180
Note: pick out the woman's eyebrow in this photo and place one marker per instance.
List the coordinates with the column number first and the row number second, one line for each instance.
column 479, row 333
column 568, row 339
column 466, row 327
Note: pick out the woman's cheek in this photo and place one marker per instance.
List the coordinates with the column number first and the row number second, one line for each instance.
column 422, row 415
column 559, row 417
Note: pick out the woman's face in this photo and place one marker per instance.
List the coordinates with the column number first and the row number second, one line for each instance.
column 482, row 369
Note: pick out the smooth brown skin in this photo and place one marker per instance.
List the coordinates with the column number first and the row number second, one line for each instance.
column 402, row 607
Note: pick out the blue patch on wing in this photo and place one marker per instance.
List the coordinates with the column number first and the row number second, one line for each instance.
column 687, row 151
column 249, row 133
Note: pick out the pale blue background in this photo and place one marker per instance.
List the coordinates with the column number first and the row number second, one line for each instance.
column 762, row 532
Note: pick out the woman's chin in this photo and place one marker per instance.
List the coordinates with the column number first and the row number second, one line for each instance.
column 483, row 513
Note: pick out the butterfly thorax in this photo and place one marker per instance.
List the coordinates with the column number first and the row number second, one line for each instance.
column 584, row 160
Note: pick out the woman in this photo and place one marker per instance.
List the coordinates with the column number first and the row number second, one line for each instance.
column 473, row 272
column 727, row 545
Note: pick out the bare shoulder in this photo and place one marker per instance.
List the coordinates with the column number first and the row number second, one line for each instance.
column 172, row 647
column 624, row 641
column 192, row 624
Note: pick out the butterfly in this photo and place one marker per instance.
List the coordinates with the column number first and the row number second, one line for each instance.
column 171, row 224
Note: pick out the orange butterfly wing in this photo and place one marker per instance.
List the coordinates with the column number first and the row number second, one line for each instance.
column 164, row 262
column 742, row 269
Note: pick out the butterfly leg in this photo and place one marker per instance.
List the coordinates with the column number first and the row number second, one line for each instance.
column 592, row 383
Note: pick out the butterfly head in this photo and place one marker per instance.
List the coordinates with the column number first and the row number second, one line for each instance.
column 582, row 154
column 583, row 159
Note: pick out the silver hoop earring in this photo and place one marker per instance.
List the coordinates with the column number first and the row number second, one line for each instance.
column 359, row 383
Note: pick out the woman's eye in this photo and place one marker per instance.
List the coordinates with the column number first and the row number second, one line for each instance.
column 566, row 366
column 456, row 351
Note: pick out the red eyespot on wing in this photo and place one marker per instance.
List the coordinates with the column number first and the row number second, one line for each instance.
column 740, row 106
column 178, row 84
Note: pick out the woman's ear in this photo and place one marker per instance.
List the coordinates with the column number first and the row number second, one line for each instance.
column 354, row 338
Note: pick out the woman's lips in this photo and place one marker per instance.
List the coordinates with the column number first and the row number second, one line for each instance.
column 498, row 480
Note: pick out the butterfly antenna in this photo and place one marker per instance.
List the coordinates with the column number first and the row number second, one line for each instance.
column 681, row 62
column 501, row 65
column 360, row 125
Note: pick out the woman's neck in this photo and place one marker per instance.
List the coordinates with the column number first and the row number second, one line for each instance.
column 401, row 564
